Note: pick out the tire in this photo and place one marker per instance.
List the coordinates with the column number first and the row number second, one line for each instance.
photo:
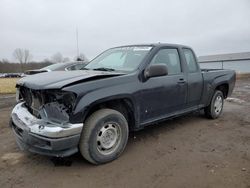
column 104, row 136
column 215, row 107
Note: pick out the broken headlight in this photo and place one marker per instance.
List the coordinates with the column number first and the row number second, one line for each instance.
column 58, row 105
column 68, row 99
column 65, row 98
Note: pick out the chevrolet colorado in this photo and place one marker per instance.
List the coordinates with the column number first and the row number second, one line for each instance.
column 123, row 89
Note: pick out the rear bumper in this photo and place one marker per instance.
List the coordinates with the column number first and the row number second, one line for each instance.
column 43, row 137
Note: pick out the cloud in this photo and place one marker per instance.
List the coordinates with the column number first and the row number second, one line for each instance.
column 46, row 27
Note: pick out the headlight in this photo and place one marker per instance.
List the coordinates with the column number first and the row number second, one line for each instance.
column 58, row 105
column 68, row 99
column 62, row 97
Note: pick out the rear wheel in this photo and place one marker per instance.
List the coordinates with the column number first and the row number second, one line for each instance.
column 215, row 107
column 104, row 136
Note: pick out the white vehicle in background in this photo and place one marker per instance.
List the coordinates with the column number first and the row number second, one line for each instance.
column 70, row 66
column 2, row 75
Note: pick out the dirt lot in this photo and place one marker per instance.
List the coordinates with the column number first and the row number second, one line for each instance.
column 190, row 151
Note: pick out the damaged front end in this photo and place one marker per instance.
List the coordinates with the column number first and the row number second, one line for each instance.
column 41, row 124
column 50, row 105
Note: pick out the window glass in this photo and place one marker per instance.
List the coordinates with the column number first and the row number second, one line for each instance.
column 115, row 59
column 170, row 57
column 121, row 59
column 190, row 59
column 80, row 66
column 76, row 67
column 73, row 67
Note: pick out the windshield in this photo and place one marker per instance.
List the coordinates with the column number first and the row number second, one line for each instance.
column 124, row 59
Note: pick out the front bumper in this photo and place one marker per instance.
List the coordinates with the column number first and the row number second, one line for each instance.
column 44, row 137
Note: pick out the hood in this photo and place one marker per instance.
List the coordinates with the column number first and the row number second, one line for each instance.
column 60, row 79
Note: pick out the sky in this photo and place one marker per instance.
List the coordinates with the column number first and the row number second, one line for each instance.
column 46, row 27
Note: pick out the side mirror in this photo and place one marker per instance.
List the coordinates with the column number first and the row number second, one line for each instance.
column 156, row 70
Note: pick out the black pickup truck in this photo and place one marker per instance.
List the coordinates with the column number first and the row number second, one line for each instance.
column 123, row 89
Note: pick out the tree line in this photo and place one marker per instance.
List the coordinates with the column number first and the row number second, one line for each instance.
column 24, row 59
column 7, row 67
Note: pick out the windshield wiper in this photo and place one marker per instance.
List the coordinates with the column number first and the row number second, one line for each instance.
column 104, row 69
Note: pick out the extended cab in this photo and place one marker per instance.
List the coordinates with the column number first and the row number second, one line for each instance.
column 123, row 89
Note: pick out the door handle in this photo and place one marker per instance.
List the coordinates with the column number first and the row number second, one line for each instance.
column 181, row 81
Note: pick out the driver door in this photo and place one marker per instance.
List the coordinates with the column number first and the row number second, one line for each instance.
column 164, row 95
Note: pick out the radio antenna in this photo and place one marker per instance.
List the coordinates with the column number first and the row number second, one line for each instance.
column 77, row 45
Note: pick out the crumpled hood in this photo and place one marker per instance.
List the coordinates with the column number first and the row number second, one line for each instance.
column 59, row 79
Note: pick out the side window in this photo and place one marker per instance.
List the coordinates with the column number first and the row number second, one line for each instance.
column 190, row 59
column 73, row 67
column 170, row 57
column 79, row 66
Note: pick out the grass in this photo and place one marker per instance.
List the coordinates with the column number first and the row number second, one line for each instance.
column 7, row 85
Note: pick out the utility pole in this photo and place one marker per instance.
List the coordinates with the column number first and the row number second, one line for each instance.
column 77, row 46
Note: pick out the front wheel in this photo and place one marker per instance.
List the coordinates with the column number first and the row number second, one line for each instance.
column 215, row 107
column 104, row 136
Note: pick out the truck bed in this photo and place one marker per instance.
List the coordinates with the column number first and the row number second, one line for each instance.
column 214, row 77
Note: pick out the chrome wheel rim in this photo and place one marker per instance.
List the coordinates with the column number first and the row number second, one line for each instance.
column 218, row 105
column 108, row 138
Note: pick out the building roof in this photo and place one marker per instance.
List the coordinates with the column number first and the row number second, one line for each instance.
column 225, row 57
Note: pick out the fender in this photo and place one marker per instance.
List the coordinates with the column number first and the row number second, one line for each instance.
column 92, row 97
column 219, row 80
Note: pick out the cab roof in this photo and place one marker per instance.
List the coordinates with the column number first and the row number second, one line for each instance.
column 157, row 45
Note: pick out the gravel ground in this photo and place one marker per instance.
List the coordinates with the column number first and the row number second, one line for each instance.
column 189, row 151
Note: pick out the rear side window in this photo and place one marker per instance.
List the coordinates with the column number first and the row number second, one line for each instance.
column 190, row 59
column 170, row 57
column 73, row 67
column 76, row 67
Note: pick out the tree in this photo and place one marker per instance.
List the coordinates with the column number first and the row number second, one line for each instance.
column 5, row 61
column 81, row 57
column 27, row 56
column 22, row 55
column 57, row 58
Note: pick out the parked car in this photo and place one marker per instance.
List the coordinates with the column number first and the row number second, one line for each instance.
column 13, row 75
column 59, row 67
column 2, row 75
column 122, row 90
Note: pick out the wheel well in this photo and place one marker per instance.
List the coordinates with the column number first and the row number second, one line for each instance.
column 223, row 88
column 124, row 106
